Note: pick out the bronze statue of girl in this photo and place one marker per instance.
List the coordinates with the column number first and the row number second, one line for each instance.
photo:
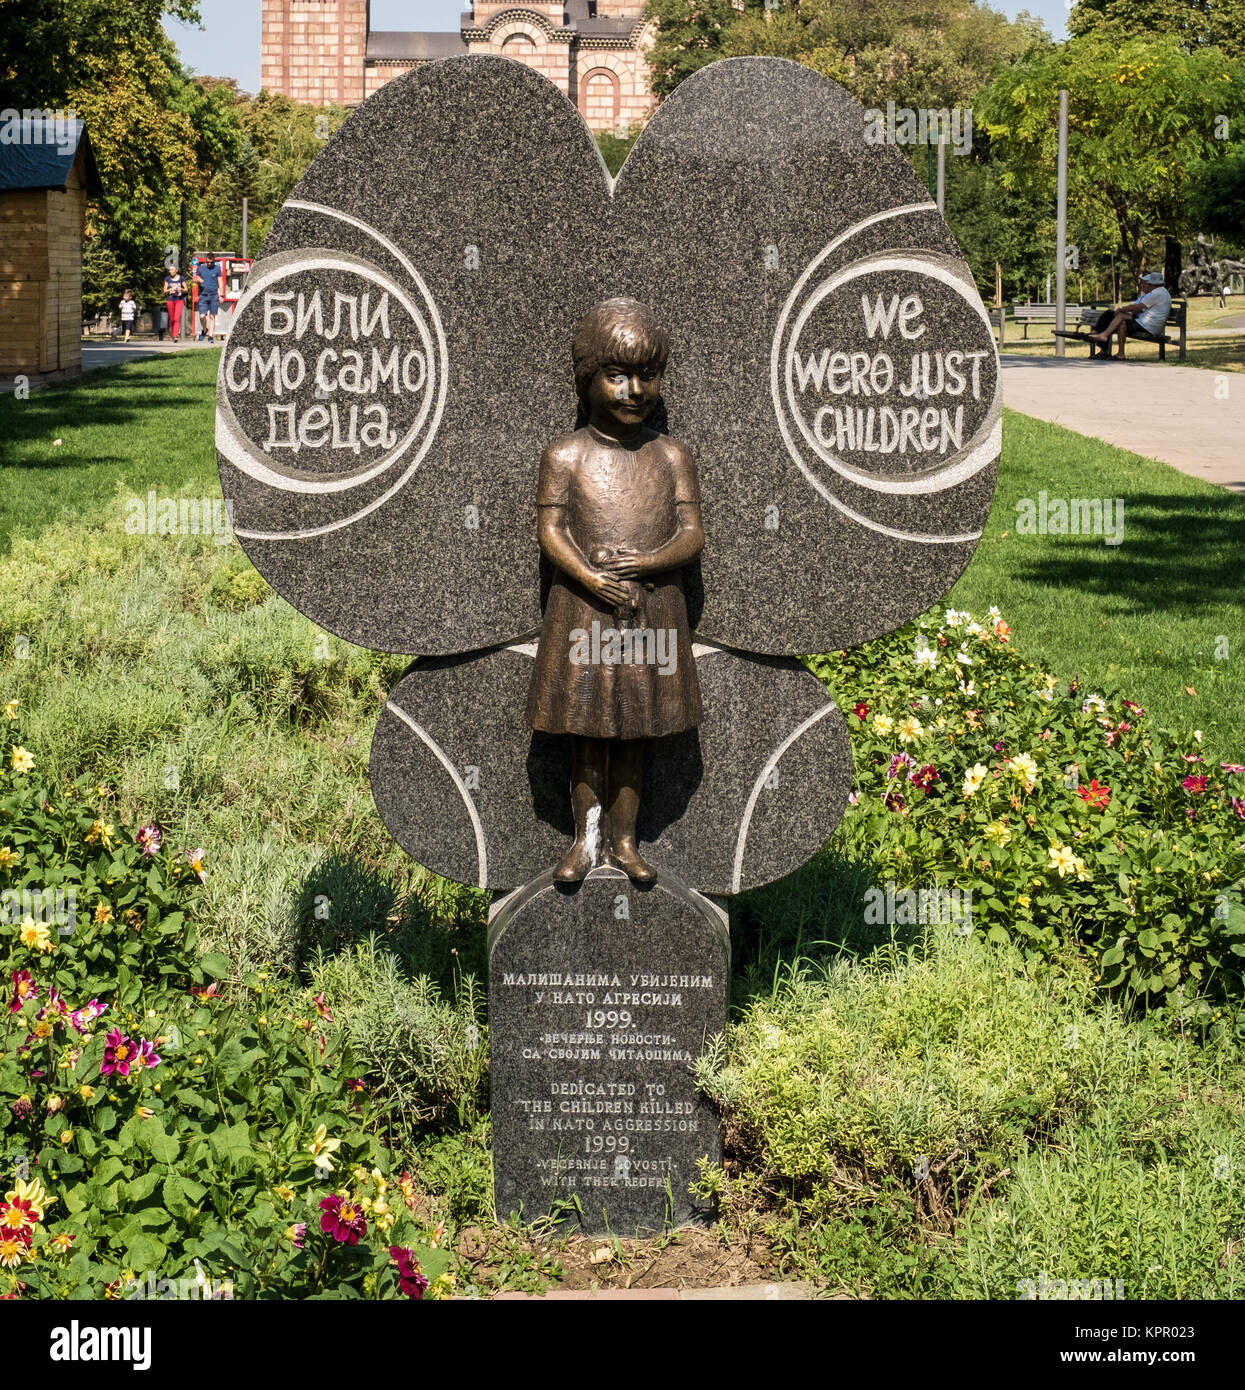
column 619, row 518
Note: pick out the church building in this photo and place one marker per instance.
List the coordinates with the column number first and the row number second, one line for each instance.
column 321, row 51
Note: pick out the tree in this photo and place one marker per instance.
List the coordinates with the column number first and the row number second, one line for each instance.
column 690, row 34
column 1217, row 196
column 1142, row 115
column 931, row 53
column 1191, row 23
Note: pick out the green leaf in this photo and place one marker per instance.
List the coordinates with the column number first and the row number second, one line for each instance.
column 215, row 964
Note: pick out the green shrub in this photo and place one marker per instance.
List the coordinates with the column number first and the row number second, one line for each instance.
column 158, row 1127
column 1061, row 810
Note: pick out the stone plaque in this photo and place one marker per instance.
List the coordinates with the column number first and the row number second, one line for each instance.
column 468, row 790
column 600, row 999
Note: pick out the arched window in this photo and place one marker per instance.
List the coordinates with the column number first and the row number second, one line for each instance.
column 600, row 98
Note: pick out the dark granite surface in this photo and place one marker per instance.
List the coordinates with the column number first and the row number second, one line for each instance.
column 746, row 798
column 753, row 216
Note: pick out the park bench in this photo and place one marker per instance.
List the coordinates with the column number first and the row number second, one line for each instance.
column 1037, row 313
column 1087, row 315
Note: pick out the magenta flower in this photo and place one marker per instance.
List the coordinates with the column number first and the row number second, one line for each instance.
column 898, row 762
column 120, row 1054
column 1195, row 785
column 24, row 988
column 894, row 801
column 149, row 839
column 1192, row 758
column 1233, row 767
column 342, row 1219
column 146, row 1055
column 1238, row 805
column 412, row 1281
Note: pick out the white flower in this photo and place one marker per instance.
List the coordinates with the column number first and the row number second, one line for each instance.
column 975, row 629
column 974, row 777
column 962, row 658
column 994, row 615
column 1197, row 734
column 925, row 656
column 969, row 689
column 952, row 618
column 1095, row 703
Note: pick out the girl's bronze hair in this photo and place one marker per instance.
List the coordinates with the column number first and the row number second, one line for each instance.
column 620, row 331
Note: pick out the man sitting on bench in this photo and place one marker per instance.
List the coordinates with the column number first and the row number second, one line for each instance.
column 1145, row 318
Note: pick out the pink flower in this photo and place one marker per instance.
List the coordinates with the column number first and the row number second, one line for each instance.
column 894, row 801
column 853, row 798
column 898, row 762
column 322, row 1008
column 24, row 988
column 1195, row 785
column 1192, row 758
column 146, row 1055
column 342, row 1219
column 412, row 1281
column 149, row 839
column 81, row 1019
column 1238, row 805
column 1233, row 767
column 120, row 1054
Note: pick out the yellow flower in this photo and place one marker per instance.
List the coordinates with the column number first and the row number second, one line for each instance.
column 42, row 1029
column 1062, row 858
column 1078, row 864
column 974, row 777
column 910, row 729
column 883, row 724
column 100, row 830
column 8, row 857
column 145, row 1112
column 86, row 1092
column 322, row 1146
column 103, row 912
column 32, row 1192
column 35, row 935
column 66, row 1136
column 998, row 833
column 10, row 710
column 22, row 760
column 1024, row 769
column 285, row 1193
column 1023, row 899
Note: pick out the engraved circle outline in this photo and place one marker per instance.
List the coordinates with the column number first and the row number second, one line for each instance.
column 242, row 454
column 975, row 455
column 308, row 532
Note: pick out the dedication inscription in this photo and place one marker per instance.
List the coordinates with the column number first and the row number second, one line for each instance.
column 593, row 1096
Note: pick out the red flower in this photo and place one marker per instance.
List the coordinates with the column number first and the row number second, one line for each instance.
column 861, row 710
column 17, row 1218
column 322, row 1008
column 894, row 801
column 1238, row 805
column 1096, row 796
column 413, row 1283
column 1195, row 785
column 342, row 1219
column 924, row 778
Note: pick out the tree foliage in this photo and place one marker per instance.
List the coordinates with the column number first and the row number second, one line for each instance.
column 1142, row 115
column 1191, row 23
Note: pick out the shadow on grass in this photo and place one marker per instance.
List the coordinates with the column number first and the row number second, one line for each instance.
column 807, row 920
column 1179, row 554
column 441, row 931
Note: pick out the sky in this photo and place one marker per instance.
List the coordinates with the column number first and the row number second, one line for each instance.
column 228, row 44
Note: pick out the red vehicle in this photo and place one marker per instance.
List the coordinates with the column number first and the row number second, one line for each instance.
column 234, row 270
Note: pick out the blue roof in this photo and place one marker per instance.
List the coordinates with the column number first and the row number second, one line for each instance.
column 40, row 153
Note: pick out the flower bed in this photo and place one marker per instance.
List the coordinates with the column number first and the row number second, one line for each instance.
column 1057, row 806
column 166, row 1136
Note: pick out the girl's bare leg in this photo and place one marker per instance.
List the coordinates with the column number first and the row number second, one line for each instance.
column 626, row 777
column 589, row 774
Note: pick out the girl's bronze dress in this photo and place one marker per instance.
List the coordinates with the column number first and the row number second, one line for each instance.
column 615, row 495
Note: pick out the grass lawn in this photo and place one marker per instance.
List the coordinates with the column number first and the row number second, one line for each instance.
column 1224, row 352
column 1159, row 614
column 133, row 426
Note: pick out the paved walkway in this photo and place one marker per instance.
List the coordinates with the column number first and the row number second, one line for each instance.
column 109, row 354
column 1174, row 414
